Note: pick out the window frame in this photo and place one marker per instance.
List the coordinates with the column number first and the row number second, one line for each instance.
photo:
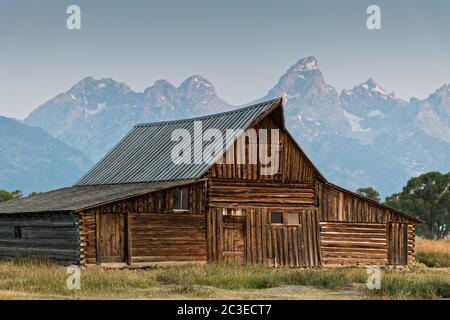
column 281, row 213
column 18, row 234
column 183, row 198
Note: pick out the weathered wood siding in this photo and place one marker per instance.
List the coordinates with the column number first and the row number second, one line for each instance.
column 88, row 238
column 55, row 236
column 157, row 205
column 398, row 243
column 337, row 205
column 279, row 245
column 392, row 243
column 411, row 244
column 168, row 237
column 293, row 164
column 225, row 193
column 353, row 243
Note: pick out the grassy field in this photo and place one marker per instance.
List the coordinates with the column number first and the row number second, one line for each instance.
column 433, row 253
column 430, row 279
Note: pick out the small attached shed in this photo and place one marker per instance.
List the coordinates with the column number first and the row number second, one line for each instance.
column 137, row 207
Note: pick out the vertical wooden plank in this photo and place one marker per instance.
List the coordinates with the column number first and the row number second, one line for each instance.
column 274, row 247
column 248, row 236
column 263, row 213
column 254, row 238
column 285, row 246
column 295, row 246
column 300, row 245
column 97, row 236
column 129, row 239
column 258, row 235
column 220, row 235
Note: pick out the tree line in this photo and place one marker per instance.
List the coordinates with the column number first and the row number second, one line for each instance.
column 426, row 197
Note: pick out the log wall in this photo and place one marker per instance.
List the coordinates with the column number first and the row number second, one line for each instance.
column 353, row 243
column 225, row 193
column 168, row 238
column 151, row 205
column 54, row 236
column 279, row 245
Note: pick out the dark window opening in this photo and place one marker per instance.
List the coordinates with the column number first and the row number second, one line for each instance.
column 276, row 217
column 181, row 200
column 18, row 232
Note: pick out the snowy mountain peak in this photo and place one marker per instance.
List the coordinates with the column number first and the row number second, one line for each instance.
column 304, row 81
column 197, row 82
column 372, row 86
column 305, row 64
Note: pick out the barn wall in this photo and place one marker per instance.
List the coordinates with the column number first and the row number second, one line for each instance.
column 354, row 243
column 55, row 236
column 337, row 205
column 156, row 205
column 278, row 245
column 356, row 231
column 226, row 193
column 293, row 165
column 168, row 237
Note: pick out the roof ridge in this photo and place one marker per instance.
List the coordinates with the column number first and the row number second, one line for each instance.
column 208, row 116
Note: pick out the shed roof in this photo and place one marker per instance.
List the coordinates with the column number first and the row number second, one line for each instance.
column 82, row 197
column 144, row 154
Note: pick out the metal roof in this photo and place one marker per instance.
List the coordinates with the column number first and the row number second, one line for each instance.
column 144, row 154
column 81, row 197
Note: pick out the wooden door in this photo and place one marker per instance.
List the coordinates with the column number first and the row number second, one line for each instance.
column 111, row 238
column 234, row 238
column 398, row 243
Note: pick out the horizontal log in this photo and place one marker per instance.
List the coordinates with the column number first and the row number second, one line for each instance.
column 352, row 245
column 259, row 184
column 165, row 258
column 345, row 235
column 354, row 225
column 263, row 200
column 356, row 250
column 350, row 230
column 337, row 254
column 354, row 241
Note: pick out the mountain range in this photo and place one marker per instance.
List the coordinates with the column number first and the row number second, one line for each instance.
column 33, row 160
column 363, row 136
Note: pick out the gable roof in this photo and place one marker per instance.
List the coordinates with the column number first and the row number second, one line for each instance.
column 82, row 197
column 144, row 154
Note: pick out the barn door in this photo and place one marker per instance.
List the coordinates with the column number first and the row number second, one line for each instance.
column 111, row 238
column 398, row 243
column 233, row 238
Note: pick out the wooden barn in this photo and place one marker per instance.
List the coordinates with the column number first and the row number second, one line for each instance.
column 137, row 206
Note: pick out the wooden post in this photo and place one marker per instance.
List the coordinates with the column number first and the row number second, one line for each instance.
column 97, row 237
column 129, row 237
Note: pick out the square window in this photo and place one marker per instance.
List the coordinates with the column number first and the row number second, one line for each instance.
column 17, row 232
column 292, row 218
column 276, row 217
column 181, row 199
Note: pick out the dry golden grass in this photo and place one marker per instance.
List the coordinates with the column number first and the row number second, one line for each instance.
column 433, row 253
column 24, row 279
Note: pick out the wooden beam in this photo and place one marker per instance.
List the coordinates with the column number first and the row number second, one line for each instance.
column 97, row 238
column 129, row 238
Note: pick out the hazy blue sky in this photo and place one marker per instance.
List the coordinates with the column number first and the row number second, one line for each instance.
column 242, row 47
